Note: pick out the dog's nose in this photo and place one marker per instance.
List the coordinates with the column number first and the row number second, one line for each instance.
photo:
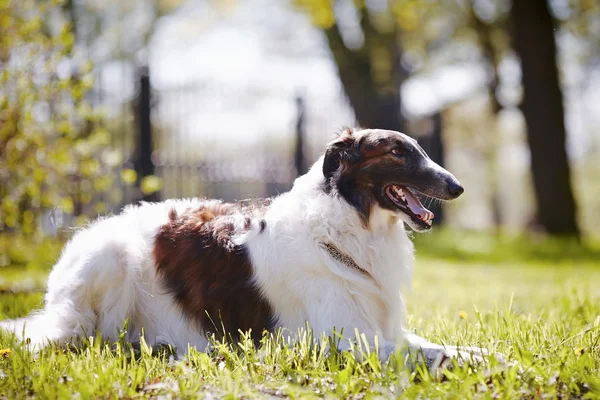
column 455, row 189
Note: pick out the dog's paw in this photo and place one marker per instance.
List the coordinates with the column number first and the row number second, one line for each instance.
column 464, row 356
column 446, row 357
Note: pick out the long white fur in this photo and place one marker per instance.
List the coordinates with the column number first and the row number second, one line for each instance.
column 106, row 274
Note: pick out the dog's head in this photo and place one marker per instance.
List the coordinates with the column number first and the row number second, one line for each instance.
column 374, row 167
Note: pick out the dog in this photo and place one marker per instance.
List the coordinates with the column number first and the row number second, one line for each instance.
column 333, row 253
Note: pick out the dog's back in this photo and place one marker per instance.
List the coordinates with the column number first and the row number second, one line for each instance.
column 105, row 277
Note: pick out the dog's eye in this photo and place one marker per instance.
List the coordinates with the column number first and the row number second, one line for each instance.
column 397, row 151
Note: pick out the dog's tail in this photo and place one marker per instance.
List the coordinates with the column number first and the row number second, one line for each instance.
column 31, row 329
column 38, row 329
column 51, row 325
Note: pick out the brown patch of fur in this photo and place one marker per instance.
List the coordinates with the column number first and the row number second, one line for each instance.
column 210, row 277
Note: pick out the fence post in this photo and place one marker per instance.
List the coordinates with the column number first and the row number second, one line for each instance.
column 144, row 147
column 434, row 146
column 300, row 135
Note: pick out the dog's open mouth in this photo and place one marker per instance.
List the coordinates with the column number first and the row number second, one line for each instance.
column 409, row 204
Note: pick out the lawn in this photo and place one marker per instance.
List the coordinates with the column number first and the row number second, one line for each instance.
column 538, row 303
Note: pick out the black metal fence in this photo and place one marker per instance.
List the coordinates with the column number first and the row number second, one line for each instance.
column 163, row 133
column 196, row 141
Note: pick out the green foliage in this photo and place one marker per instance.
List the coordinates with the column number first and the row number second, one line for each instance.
column 418, row 26
column 51, row 141
column 320, row 11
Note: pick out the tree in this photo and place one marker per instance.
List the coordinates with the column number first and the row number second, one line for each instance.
column 542, row 107
column 372, row 71
column 371, row 74
column 50, row 144
column 371, row 65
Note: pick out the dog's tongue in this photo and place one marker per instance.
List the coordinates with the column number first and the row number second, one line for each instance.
column 415, row 205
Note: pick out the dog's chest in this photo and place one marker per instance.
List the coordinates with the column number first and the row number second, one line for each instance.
column 305, row 283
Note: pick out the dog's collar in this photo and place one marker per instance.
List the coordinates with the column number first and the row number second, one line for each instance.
column 345, row 259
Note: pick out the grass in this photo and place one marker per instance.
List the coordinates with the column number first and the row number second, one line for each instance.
column 537, row 302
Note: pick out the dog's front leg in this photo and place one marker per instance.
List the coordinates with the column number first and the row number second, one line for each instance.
column 363, row 345
column 420, row 350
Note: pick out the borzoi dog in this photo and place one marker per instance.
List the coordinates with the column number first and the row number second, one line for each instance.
column 332, row 253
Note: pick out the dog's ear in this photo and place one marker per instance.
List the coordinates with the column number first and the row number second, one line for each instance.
column 340, row 153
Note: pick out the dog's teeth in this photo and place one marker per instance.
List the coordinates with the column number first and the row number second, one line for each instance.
column 428, row 218
column 400, row 193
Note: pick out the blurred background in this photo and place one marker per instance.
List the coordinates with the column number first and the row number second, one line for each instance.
column 108, row 102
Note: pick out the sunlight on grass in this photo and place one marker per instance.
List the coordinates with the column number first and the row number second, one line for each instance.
column 542, row 312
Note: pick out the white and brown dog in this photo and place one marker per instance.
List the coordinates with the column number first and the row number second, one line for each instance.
column 332, row 253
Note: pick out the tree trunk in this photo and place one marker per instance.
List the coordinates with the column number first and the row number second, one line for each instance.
column 533, row 39
column 375, row 104
column 492, row 58
column 434, row 147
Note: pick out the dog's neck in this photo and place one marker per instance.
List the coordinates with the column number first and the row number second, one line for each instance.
column 381, row 222
column 331, row 219
column 345, row 259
